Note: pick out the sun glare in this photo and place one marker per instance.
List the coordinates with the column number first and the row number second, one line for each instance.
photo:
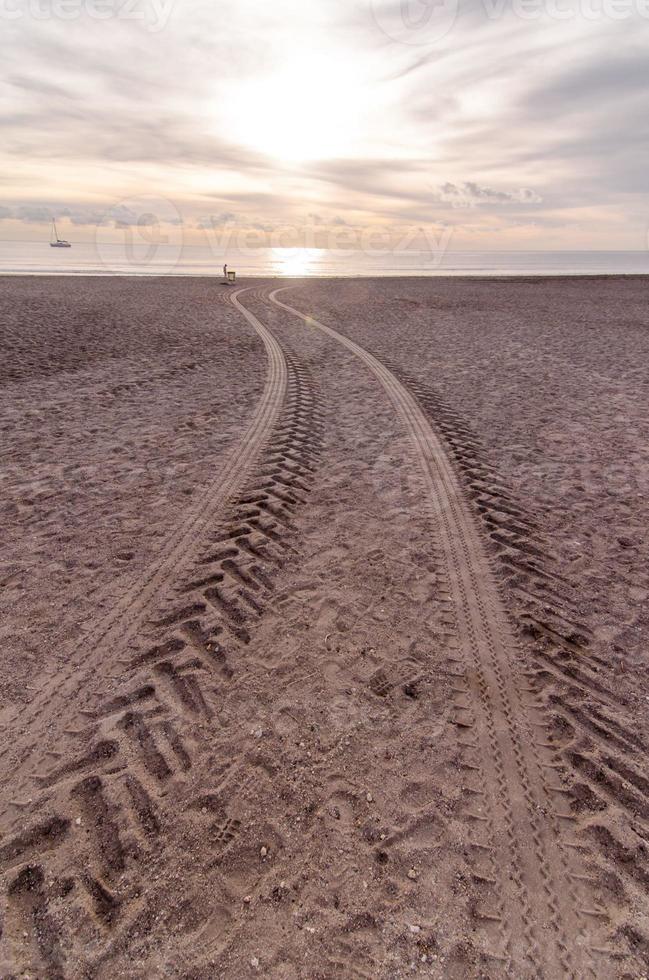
column 293, row 261
column 304, row 111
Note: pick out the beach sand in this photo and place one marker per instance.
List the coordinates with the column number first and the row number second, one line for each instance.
column 324, row 651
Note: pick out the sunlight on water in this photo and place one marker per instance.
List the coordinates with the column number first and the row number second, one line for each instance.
column 295, row 261
column 107, row 258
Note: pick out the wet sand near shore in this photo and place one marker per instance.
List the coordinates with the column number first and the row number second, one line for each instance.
column 324, row 628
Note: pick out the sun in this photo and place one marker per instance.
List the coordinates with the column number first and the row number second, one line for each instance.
column 306, row 110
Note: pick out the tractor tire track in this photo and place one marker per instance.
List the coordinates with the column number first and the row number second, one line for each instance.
column 126, row 615
column 154, row 739
column 534, row 904
column 589, row 732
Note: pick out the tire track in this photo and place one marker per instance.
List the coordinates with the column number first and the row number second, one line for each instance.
column 163, row 773
column 536, row 908
column 589, row 724
column 125, row 616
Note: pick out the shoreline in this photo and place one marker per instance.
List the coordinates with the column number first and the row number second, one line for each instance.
column 472, row 277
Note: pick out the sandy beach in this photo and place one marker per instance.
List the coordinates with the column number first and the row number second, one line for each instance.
column 323, row 618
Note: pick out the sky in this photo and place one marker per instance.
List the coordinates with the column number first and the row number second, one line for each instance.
column 491, row 124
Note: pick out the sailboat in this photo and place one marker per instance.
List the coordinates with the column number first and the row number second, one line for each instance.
column 55, row 241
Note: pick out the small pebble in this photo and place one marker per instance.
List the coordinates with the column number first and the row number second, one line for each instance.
column 78, row 821
column 413, row 875
column 254, row 962
column 264, row 852
column 247, row 899
column 369, row 797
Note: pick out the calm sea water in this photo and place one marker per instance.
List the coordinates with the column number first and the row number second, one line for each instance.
column 38, row 258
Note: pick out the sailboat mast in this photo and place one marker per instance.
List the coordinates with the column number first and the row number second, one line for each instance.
column 57, row 242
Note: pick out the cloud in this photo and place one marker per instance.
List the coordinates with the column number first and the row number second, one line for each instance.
column 117, row 216
column 33, row 213
column 470, row 194
column 146, row 214
column 511, row 119
column 217, row 220
column 592, row 86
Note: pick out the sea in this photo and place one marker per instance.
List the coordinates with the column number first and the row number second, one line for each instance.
column 106, row 259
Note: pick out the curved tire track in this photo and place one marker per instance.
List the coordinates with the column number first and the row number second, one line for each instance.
column 535, row 904
column 155, row 748
column 125, row 616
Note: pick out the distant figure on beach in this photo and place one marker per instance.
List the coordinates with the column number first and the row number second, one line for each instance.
column 225, row 271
